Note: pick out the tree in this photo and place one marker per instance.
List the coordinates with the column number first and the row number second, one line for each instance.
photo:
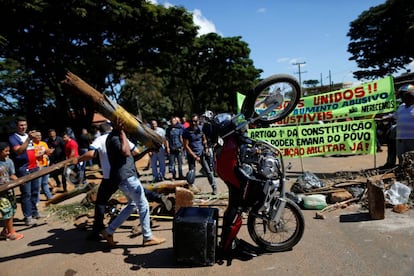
column 104, row 42
column 147, row 57
column 210, row 73
column 311, row 83
column 382, row 38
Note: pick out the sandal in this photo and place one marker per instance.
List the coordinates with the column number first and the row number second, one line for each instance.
column 14, row 236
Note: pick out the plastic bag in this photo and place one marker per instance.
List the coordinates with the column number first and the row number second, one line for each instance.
column 398, row 194
column 314, row 202
column 306, row 182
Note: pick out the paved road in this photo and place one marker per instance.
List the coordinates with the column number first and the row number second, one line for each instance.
column 345, row 243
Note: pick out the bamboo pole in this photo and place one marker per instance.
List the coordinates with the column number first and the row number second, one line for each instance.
column 113, row 111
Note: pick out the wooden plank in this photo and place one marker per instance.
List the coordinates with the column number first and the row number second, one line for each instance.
column 29, row 177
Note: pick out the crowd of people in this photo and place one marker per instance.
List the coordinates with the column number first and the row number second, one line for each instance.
column 26, row 152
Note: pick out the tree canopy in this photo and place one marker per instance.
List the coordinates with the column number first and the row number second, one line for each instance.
column 381, row 39
column 147, row 57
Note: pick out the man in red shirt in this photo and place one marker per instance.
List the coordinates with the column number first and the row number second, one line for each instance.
column 71, row 150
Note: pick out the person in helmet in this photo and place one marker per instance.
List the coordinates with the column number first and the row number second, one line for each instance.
column 404, row 117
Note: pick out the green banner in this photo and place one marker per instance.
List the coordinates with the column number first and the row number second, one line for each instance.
column 349, row 137
column 359, row 101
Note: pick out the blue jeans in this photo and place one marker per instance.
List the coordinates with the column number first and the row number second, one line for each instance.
column 158, row 164
column 30, row 192
column 176, row 155
column 135, row 194
column 205, row 166
column 44, row 183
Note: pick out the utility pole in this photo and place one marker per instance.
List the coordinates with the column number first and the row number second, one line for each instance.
column 299, row 64
column 330, row 80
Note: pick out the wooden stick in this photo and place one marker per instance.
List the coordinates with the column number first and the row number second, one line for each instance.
column 30, row 177
column 64, row 196
column 113, row 111
column 338, row 205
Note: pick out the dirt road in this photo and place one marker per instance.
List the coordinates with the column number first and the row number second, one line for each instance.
column 345, row 243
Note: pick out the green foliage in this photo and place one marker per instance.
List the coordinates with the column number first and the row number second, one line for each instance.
column 311, row 83
column 382, row 38
column 145, row 56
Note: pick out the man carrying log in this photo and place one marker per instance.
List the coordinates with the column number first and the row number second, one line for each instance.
column 123, row 171
column 107, row 187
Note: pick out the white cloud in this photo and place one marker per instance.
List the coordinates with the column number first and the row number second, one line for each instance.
column 283, row 60
column 261, row 10
column 205, row 25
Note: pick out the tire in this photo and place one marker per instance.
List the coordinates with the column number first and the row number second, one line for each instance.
column 287, row 84
column 265, row 234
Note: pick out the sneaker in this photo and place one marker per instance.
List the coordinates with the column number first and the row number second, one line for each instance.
column 167, row 203
column 153, row 241
column 14, row 236
column 214, row 191
column 109, row 238
column 29, row 221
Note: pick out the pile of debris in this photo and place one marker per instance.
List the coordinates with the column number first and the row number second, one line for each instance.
column 373, row 189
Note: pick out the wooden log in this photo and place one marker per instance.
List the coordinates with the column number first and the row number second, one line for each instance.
column 183, row 198
column 113, row 111
column 166, row 187
column 376, row 199
column 29, row 177
column 64, row 196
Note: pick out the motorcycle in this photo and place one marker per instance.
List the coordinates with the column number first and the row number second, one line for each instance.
column 254, row 171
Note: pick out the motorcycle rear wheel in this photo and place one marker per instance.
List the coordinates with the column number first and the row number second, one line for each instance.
column 278, row 237
column 286, row 85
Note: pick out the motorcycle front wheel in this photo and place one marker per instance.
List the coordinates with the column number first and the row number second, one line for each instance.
column 281, row 88
column 277, row 236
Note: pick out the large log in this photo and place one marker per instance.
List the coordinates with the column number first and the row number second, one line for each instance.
column 64, row 196
column 113, row 111
column 35, row 175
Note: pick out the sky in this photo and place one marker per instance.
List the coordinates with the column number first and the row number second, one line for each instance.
column 280, row 33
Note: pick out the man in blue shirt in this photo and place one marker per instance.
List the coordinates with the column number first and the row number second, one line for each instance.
column 195, row 143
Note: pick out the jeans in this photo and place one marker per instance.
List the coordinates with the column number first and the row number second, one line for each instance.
column 106, row 189
column 204, row 165
column 158, row 160
column 85, row 163
column 29, row 193
column 176, row 155
column 135, row 194
column 44, row 182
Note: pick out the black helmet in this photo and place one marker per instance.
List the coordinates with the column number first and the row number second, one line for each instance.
column 222, row 123
column 406, row 88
